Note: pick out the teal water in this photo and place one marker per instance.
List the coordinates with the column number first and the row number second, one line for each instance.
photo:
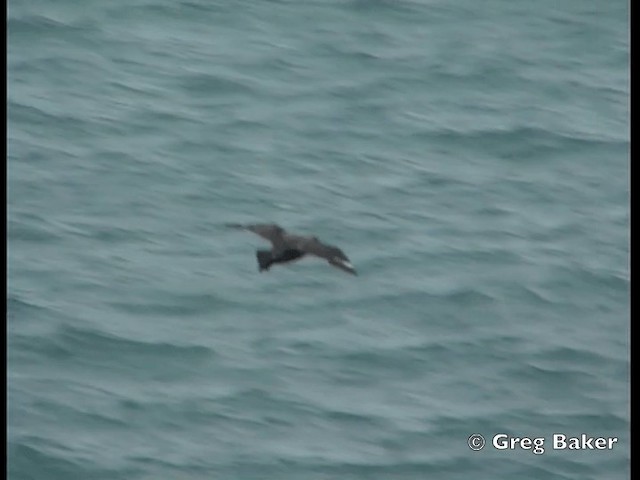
column 472, row 160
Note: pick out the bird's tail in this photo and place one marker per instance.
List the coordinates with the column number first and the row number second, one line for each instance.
column 265, row 259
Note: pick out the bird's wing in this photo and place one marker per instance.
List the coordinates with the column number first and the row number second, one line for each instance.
column 313, row 246
column 268, row 231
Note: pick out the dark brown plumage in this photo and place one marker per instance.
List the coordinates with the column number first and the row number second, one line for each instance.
column 287, row 247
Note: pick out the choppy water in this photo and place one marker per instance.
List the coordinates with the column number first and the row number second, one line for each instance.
column 470, row 157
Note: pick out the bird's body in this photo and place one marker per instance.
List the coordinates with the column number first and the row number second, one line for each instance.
column 287, row 247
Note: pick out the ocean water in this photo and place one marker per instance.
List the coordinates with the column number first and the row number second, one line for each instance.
column 472, row 160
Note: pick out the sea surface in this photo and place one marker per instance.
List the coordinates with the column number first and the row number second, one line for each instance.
column 470, row 157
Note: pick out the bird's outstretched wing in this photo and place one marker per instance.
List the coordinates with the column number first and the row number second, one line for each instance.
column 268, row 231
column 313, row 246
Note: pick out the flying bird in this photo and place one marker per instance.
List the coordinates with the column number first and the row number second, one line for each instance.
column 287, row 247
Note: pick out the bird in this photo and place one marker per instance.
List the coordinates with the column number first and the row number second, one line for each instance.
column 287, row 247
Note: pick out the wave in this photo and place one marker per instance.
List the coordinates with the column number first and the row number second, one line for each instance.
column 35, row 25
column 520, row 142
column 85, row 345
column 51, row 462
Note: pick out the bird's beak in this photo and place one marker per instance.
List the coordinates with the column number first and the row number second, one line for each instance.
column 344, row 265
